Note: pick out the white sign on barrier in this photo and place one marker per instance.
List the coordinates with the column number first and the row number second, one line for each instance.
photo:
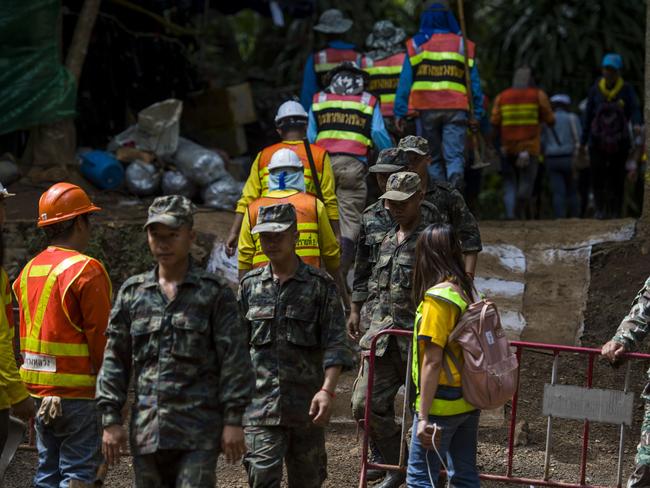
column 593, row 404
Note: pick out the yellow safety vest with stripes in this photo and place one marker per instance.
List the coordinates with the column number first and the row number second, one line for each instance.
column 438, row 65
column 440, row 406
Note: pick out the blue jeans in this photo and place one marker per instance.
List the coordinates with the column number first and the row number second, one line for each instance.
column 69, row 448
column 518, row 186
column 446, row 131
column 457, row 448
column 563, row 186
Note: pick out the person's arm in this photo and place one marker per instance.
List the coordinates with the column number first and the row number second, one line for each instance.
column 588, row 116
column 92, row 291
column 309, row 83
column 470, row 259
column 495, row 117
column 312, row 132
column 329, row 192
column 246, row 246
column 252, row 190
column 636, row 114
column 633, row 328
column 546, row 113
column 429, row 377
column 378, row 131
column 236, row 378
column 477, row 92
column 465, row 224
column 401, row 106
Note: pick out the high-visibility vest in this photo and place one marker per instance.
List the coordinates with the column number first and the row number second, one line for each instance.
column 439, row 406
column 308, row 245
column 519, row 114
column 439, row 73
column 329, row 58
column 344, row 122
column 56, row 358
column 383, row 79
column 317, row 152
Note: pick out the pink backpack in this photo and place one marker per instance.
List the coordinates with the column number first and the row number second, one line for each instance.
column 490, row 372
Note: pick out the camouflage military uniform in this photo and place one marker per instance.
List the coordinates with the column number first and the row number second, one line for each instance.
column 631, row 333
column 296, row 330
column 191, row 371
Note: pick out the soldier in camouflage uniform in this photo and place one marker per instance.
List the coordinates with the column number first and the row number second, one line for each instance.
column 446, row 198
column 293, row 315
column 391, row 307
column 176, row 331
column 628, row 337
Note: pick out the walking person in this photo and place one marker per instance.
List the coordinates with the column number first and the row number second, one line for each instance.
column 612, row 106
column 444, row 291
column 65, row 299
column 175, row 330
column 561, row 143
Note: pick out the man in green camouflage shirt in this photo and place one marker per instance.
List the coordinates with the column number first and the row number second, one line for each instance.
column 176, row 331
column 628, row 337
column 293, row 315
column 391, row 307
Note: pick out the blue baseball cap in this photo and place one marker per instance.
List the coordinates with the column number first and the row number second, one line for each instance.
column 612, row 60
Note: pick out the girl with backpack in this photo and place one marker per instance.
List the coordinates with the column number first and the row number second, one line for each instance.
column 444, row 291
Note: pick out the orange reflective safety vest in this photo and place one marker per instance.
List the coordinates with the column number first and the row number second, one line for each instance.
column 329, row 58
column 317, row 152
column 344, row 122
column 519, row 114
column 55, row 350
column 439, row 73
column 308, row 245
column 384, row 76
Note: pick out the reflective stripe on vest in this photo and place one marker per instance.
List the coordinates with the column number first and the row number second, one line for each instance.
column 439, row 73
column 383, row 79
column 519, row 114
column 344, row 122
column 328, row 59
column 317, row 152
column 308, row 245
column 439, row 406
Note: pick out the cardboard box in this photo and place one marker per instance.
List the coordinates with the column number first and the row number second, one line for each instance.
column 219, row 108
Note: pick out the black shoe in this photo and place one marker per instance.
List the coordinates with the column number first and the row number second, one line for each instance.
column 375, row 457
column 394, row 479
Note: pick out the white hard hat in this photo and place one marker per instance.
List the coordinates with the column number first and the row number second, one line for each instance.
column 290, row 108
column 285, row 158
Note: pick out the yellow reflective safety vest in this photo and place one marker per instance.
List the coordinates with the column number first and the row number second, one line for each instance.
column 439, row 73
column 439, row 406
column 344, row 122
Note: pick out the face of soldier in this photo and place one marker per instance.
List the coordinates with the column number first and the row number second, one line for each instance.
column 279, row 247
column 419, row 164
column 382, row 179
column 405, row 212
column 169, row 246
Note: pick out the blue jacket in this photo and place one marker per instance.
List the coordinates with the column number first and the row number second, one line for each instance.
column 309, row 79
column 568, row 131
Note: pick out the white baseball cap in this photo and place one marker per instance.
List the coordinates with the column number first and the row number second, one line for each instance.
column 290, row 108
column 285, row 158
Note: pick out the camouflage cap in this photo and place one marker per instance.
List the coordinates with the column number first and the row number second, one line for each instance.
column 401, row 186
column 275, row 218
column 390, row 160
column 385, row 35
column 172, row 211
column 416, row 144
column 333, row 21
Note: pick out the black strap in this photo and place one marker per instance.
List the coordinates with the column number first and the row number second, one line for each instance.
column 314, row 173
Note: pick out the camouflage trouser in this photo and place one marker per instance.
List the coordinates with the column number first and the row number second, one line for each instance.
column 390, row 370
column 641, row 475
column 301, row 448
column 173, row 468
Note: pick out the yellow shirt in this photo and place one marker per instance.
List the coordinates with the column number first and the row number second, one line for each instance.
column 12, row 389
column 439, row 318
column 330, row 252
column 253, row 187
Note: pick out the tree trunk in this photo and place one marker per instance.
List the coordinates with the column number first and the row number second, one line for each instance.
column 52, row 146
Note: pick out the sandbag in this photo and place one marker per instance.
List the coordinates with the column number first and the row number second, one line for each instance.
column 142, row 179
column 176, row 183
column 222, row 194
column 200, row 165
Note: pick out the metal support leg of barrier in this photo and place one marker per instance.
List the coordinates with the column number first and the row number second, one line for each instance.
column 406, row 410
column 549, row 425
column 585, row 432
column 621, row 440
column 513, row 418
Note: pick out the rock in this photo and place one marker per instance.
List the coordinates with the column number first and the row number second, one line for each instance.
column 522, row 433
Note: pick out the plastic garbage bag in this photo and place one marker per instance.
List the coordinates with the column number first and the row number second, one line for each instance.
column 159, row 126
column 9, row 172
column 222, row 194
column 199, row 164
column 142, row 179
column 176, row 183
column 222, row 265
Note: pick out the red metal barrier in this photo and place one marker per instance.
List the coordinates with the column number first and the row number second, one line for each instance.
column 519, row 346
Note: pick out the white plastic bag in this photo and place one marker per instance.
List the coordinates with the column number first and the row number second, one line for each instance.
column 159, row 126
column 221, row 265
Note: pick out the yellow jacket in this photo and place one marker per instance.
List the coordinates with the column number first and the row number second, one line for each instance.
column 330, row 252
column 12, row 389
column 255, row 187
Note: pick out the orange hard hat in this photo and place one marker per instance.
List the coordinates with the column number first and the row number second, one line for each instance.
column 61, row 202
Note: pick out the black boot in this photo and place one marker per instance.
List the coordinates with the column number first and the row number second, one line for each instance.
column 389, row 449
column 375, row 457
column 640, row 476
